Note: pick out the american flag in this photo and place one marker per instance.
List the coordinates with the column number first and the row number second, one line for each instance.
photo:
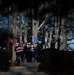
column 10, row 40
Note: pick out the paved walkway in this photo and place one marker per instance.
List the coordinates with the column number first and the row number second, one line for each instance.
column 24, row 69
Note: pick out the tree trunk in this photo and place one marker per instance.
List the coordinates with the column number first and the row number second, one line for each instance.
column 14, row 35
column 36, row 29
column 32, row 25
column 59, row 31
column 46, row 39
column 20, row 28
column 63, row 42
column 51, row 45
column 25, row 34
column 50, row 40
column 25, row 27
column 56, row 31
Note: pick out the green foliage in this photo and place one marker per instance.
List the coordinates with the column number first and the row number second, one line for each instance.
column 53, row 59
column 5, row 56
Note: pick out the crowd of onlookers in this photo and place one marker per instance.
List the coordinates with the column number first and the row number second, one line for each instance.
column 28, row 52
